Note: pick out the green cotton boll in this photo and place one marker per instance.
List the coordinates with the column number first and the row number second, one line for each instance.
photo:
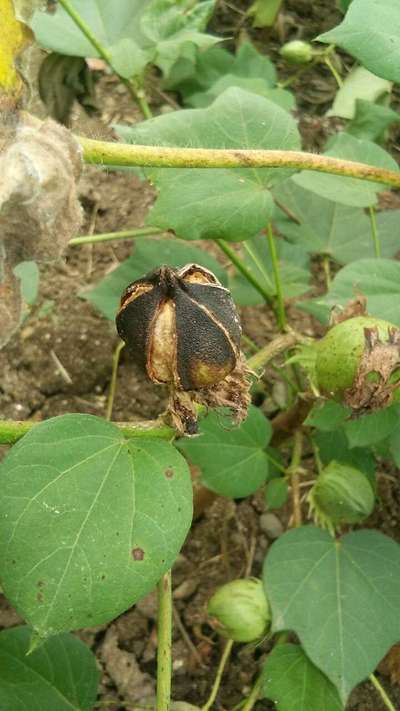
column 340, row 351
column 297, row 52
column 240, row 610
column 340, row 495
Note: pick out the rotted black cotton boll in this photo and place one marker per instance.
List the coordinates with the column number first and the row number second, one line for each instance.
column 181, row 327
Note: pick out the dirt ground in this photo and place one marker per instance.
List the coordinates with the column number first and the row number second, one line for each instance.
column 228, row 540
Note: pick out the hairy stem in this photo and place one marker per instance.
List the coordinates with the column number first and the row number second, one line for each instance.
column 293, row 474
column 109, row 236
column 281, row 315
column 220, row 671
column 136, row 93
column 240, row 265
column 164, row 634
column 122, row 154
column 271, row 350
column 381, row 691
column 374, row 231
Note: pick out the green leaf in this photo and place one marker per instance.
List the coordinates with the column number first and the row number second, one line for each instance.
column 327, row 227
column 232, row 204
column 88, row 523
column 276, row 493
column 148, row 255
column 327, row 415
column 61, row 675
column 377, row 279
column 295, row 684
column 341, row 598
column 232, row 459
column 369, row 429
column 259, row 86
column 349, row 191
column 140, row 32
column 293, row 265
column 201, row 71
column 358, row 84
column 371, row 120
column 370, row 31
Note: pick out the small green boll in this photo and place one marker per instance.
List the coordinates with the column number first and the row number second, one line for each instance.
column 340, row 495
column 240, row 610
column 297, row 52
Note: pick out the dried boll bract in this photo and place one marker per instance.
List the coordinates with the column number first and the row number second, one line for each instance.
column 182, row 329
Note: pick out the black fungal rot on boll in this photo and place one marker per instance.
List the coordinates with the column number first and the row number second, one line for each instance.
column 181, row 327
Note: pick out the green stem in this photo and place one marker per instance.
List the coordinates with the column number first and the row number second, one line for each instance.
column 136, row 93
column 327, row 271
column 12, row 430
column 254, row 694
column 113, row 383
column 333, row 70
column 281, row 315
column 108, row 236
column 293, row 474
column 381, row 691
column 240, row 265
column 271, row 350
column 164, row 633
column 374, row 231
column 123, row 154
column 220, row 671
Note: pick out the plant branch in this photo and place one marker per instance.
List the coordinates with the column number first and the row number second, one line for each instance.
column 164, row 634
column 220, row 671
column 122, row 154
column 240, row 265
column 108, row 236
column 254, row 694
column 280, row 304
column 113, row 383
column 294, row 478
column 13, row 430
column 381, row 691
column 272, row 349
column 136, row 93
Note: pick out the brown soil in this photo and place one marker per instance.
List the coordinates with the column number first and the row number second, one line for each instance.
column 226, row 541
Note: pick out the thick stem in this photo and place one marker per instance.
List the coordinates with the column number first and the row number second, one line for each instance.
column 374, row 232
column 281, row 315
column 240, row 265
column 109, row 236
column 123, row 154
column 164, row 634
column 103, row 52
column 220, row 671
column 12, row 430
column 293, row 475
column 381, row 691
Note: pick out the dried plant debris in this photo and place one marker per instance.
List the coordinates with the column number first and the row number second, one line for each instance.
column 373, row 386
column 39, row 208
